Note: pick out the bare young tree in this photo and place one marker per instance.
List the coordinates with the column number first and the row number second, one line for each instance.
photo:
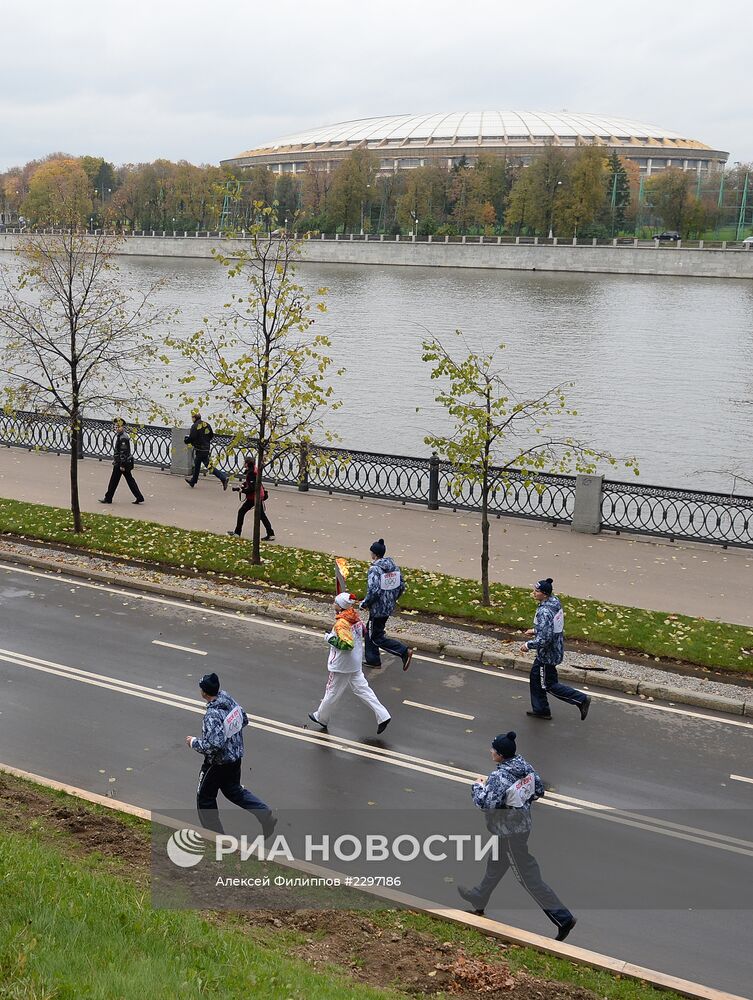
column 72, row 340
column 497, row 430
column 258, row 367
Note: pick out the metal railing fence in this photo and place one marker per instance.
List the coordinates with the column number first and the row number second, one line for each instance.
column 638, row 508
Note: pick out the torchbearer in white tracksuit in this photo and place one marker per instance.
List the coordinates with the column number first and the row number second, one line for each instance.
column 344, row 665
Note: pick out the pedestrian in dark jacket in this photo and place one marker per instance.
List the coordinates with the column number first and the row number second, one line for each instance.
column 122, row 465
column 506, row 797
column 247, row 490
column 385, row 586
column 221, row 744
column 549, row 642
column 199, row 438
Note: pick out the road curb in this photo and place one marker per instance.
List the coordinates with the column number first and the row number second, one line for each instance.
column 505, row 932
column 472, row 654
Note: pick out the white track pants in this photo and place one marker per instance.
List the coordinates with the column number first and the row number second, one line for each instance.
column 337, row 683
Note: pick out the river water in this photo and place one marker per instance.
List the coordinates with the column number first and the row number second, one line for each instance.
column 662, row 366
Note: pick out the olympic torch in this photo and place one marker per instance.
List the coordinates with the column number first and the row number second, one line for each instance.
column 342, row 569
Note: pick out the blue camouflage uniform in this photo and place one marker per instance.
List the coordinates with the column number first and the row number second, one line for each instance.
column 214, row 743
column 549, row 644
column 549, row 626
column 221, row 743
column 385, row 586
column 506, row 798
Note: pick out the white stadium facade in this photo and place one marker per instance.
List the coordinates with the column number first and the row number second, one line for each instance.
column 402, row 142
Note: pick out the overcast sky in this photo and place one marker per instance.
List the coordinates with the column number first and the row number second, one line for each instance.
column 136, row 80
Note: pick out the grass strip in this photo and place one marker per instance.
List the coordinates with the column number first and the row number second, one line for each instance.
column 77, row 924
column 615, row 627
column 67, row 931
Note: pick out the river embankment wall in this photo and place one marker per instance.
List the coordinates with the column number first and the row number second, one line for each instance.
column 705, row 262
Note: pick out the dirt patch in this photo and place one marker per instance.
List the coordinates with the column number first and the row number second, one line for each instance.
column 418, row 964
column 395, row 955
column 74, row 827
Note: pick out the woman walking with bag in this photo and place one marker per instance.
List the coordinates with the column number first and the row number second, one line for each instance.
column 247, row 489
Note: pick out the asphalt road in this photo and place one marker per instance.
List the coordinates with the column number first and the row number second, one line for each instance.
column 660, row 877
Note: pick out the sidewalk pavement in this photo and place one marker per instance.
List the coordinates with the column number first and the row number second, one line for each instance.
column 700, row 580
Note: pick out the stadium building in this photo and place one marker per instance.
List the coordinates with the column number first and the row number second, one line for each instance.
column 402, row 142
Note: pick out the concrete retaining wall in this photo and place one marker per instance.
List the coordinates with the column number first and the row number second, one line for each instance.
column 706, row 263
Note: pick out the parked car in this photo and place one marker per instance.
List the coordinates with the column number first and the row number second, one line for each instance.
column 748, row 242
column 667, row 236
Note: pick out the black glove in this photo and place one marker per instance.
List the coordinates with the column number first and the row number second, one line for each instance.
column 186, row 440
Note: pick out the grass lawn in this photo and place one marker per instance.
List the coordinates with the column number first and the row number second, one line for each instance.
column 614, row 627
column 69, row 932
column 76, row 923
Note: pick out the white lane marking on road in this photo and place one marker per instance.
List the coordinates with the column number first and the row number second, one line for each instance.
column 183, row 649
column 741, row 777
column 439, row 711
column 635, row 702
column 385, row 756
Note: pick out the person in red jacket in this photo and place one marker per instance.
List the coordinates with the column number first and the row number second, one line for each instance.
column 247, row 489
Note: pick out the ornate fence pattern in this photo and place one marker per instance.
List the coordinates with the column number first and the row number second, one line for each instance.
column 48, row 432
column 545, row 498
column 690, row 515
column 629, row 507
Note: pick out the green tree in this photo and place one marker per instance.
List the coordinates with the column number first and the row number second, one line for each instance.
column 617, row 204
column 59, row 194
column 352, row 189
column 548, row 178
column 287, row 193
column 494, row 180
column 101, row 176
column 72, row 339
column 496, row 430
column 520, row 206
column 315, row 185
column 463, row 196
column 584, row 191
column 423, row 197
column 697, row 218
column 668, row 194
column 259, row 364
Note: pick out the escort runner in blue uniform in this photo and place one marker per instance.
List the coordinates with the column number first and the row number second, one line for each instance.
column 506, row 797
column 385, row 587
column 221, row 743
column 549, row 643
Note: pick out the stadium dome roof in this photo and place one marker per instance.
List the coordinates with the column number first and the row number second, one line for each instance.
column 508, row 126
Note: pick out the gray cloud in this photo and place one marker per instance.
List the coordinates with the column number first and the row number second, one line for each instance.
column 137, row 81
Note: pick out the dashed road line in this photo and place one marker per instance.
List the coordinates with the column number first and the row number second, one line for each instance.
column 183, row 649
column 439, row 711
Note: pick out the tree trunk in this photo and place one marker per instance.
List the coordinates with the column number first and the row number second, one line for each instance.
column 485, row 597
column 76, row 430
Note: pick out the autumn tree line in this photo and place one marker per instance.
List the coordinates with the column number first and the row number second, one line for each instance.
column 583, row 192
